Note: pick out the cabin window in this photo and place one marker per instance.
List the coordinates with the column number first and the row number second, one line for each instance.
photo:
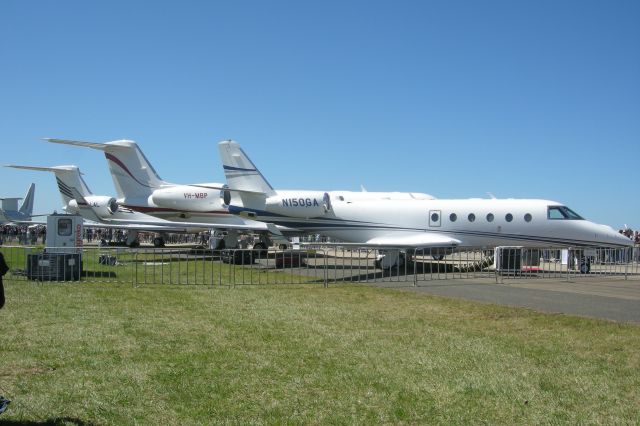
column 508, row 217
column 435, row 217
column 490, row 217
column 471, row 217
column 453, row 217
column 527, row 217
column 562, row 213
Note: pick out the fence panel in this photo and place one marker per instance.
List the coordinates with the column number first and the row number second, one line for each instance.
column 322, row 265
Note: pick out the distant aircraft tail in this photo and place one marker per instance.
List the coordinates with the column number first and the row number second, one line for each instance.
column 243, row 175
column 133, row 175
column 67, row 177
column 27, row 204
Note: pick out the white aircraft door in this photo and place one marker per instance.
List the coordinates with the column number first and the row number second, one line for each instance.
column 435, row 218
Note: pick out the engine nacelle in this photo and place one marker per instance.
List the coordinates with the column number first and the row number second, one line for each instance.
column 103, row 206
column 303, row 204
column 187, row 198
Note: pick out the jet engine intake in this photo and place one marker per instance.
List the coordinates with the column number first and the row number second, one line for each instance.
column 103, row 206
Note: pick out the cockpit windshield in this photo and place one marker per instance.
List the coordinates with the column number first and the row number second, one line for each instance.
column 562, row 213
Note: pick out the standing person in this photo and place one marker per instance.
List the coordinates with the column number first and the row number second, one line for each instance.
column 4, row 268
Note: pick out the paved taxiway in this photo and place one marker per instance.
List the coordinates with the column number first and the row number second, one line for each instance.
column 607, row 298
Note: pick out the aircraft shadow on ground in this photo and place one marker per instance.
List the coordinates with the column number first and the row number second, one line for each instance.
column 413, row 268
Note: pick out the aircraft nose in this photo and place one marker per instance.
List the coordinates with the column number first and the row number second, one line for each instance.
column 617, row 238
column 625, row 241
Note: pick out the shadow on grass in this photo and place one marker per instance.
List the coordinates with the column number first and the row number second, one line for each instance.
column 58, row 421
column 369, row 273
column 98, row 274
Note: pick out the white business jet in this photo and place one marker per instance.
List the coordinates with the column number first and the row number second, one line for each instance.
column 442, row 225
column 139, row 188
column 104, row 210
column 10, row 212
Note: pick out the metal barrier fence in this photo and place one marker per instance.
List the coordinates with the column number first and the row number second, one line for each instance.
column 312, row 265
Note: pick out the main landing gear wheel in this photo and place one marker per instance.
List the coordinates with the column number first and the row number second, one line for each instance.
column 260, row 249
column 158, row 242
column 585, row 266
column 389, row 260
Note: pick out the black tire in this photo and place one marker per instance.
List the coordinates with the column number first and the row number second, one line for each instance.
column 158, row 242
column 260, row 249
column 585, row 266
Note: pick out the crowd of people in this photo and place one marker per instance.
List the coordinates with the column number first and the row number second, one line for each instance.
column 631, row 234
column 23, row 234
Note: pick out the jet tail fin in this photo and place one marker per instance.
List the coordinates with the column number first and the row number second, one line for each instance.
column 27, row 204
column 66, row 178
column 133, row 175
column 240, row 171
column 243, row 177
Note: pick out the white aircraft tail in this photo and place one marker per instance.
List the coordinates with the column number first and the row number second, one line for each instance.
column 243, row 176
column 27, row 204
column 133, row 175
column 67, row 177
column 240, row 171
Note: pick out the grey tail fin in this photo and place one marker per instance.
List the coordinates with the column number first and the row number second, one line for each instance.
column 27, row 203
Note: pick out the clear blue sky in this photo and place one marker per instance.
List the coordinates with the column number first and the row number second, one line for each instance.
column 523, row 99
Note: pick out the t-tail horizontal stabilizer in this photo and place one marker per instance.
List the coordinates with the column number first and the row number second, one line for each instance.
column 93, row 145
column 133, row 175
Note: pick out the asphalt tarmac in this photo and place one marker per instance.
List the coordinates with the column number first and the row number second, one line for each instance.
column 614, row 299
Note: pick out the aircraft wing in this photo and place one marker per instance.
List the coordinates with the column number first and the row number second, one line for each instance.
column 414, row 240
column 27, row 222
column 140, row 227
column 167, row 225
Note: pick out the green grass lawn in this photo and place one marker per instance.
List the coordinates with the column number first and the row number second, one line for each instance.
column 87, row 353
